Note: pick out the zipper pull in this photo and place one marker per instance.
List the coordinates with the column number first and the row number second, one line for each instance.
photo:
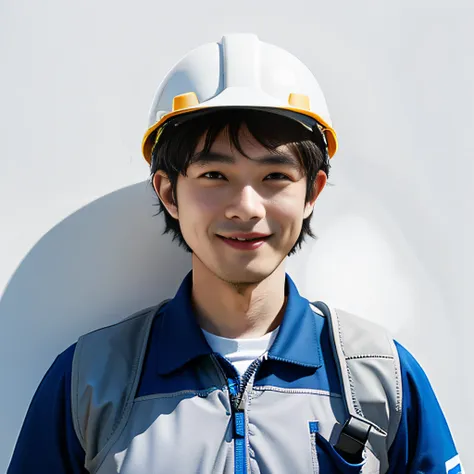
column 239, row 423
column 240, row 456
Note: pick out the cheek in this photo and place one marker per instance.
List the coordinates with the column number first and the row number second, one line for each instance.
column 204, row 202
column 288, row 208
column 197, row 208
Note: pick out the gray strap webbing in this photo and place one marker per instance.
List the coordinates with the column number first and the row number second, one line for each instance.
column 101, row 404
column 369, row 370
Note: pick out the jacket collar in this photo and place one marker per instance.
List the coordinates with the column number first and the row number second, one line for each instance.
column 179, row 339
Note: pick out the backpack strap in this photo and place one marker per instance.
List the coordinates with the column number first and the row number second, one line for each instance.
column 99, row 416
column 369, row 370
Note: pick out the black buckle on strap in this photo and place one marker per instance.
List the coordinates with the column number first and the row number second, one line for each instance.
column 352, row 440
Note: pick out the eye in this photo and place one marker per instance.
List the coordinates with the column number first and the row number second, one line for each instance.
column 277, row 176
column 213, row 175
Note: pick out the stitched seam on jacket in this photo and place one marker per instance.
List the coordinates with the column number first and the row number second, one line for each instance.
column 369, row 356
column 116, row 441
column 314, row 453
column 355, row 402
column 395, row 370
column 132, row 381
column 301, row 391
column 398, row 405
column 247, row 433
column 398, row 392
column 179, row 393
column 76, row 375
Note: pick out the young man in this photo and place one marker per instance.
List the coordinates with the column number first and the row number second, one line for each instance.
column 237, row 373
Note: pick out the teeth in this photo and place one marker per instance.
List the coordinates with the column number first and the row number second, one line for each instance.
column 244, row 240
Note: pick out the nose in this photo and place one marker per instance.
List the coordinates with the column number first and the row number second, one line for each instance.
column 246, row 205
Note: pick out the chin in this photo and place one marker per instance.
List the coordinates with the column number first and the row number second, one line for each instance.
column 246, row 275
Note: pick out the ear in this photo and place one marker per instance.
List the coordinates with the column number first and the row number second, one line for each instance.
column 164, row 191
column 318, row 186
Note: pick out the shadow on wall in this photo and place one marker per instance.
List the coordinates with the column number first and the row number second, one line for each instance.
column 94, row 268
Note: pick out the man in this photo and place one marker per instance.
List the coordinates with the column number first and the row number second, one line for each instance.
column 238, row 372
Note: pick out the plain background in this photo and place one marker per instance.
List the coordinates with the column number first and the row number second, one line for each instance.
column 80, row 246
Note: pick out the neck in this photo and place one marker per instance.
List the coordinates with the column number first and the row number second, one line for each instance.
column 238, row 311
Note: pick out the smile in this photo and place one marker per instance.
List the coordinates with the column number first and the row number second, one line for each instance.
column 244, row 240
column 242, row 243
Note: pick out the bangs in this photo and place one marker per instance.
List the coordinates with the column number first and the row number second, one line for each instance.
column 268, row 129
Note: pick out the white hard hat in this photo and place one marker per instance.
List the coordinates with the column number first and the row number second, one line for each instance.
column 240, row 72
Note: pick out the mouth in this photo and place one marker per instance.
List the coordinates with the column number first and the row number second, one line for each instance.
column 245, row 242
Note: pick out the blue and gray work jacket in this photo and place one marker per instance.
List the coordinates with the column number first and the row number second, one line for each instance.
column 192, row 413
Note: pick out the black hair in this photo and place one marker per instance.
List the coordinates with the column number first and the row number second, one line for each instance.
column 176, row 148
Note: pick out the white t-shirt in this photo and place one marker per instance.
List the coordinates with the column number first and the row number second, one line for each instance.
column 241, row 352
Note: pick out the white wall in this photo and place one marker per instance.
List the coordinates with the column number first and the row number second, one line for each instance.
column 79, row 246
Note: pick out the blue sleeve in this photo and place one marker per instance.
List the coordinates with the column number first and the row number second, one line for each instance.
column 423, row 443
column 47, row 442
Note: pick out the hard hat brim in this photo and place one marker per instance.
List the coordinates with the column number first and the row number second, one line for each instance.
column 306, row 117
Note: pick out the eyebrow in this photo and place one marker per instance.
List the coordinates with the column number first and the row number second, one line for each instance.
column 203, row 159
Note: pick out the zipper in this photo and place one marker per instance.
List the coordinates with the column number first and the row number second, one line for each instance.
column 246, row 378
column 238, row 386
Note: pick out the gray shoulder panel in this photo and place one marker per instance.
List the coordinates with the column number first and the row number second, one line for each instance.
column 368, row 349
column 118, row 350
column 370, row 372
